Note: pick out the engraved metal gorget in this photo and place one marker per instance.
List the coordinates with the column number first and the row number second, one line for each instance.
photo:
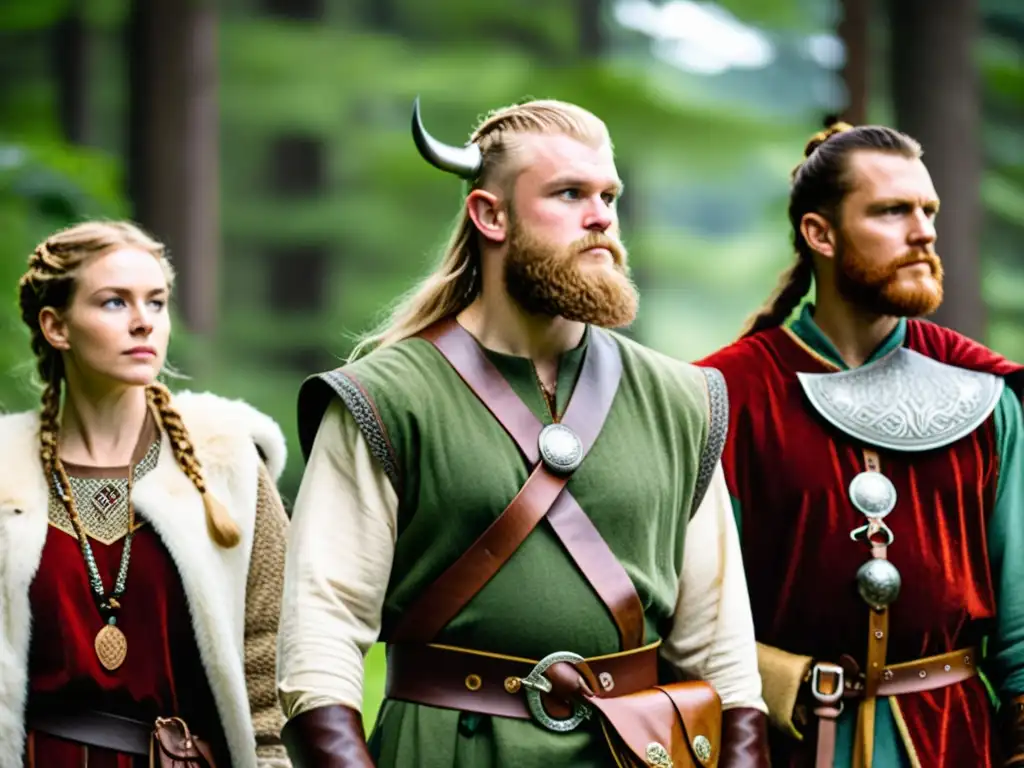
column 905, row 401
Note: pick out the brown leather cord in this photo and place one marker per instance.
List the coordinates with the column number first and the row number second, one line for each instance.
column 585, row 415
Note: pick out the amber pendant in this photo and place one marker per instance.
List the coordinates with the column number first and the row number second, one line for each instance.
column 111, row 647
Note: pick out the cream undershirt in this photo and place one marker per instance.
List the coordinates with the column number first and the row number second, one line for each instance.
column 340, row 551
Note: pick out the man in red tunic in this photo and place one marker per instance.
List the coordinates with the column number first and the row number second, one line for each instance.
column 875, row 466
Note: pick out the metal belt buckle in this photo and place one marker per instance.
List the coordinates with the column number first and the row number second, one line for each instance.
column 536, row 684
column 836, row 693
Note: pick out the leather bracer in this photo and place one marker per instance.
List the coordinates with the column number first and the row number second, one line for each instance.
column 744, row 739
column 327, row 737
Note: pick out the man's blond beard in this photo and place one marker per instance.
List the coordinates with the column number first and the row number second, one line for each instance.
column 548, row 280
column 877, row 289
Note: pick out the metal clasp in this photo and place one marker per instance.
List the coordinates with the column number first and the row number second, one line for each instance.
column 836, row 692
column 871, row 529
column 536, row 684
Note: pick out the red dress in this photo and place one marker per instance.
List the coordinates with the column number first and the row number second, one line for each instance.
column 162, row 674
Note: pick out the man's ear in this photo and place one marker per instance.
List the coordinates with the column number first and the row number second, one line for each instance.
column 54, row 329
column 488, row 215
column 819, row 234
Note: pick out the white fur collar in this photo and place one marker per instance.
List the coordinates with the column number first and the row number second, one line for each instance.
column 225, row 434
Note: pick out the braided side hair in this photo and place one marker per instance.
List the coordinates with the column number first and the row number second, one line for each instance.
column 220, row 524
column 50, row 282
column 818, row 185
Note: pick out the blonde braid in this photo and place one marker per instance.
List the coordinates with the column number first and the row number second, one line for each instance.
column 223, row 529
column 49, row 435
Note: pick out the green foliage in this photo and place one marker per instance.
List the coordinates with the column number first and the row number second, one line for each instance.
column 21, row 15
column 706, row 160
column 44, row 186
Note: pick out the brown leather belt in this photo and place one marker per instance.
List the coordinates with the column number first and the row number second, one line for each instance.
column 491, row 684
column 94, row 729
column 916, row 676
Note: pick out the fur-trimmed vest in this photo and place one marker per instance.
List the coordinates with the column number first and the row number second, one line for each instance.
column 225, row 434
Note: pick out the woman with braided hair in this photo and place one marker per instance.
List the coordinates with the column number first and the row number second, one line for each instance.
column 141, row 534
column 882, row 457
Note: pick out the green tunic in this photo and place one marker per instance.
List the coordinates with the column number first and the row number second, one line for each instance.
column 457, row 469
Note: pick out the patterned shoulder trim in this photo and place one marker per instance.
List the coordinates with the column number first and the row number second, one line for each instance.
column 365, row 413
column 718, row 426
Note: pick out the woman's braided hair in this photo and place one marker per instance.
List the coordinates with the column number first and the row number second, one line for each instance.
column 50, row 282
column 818, row 185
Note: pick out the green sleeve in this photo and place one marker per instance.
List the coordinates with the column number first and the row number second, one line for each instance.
column 738, row 514
column 1005, row 663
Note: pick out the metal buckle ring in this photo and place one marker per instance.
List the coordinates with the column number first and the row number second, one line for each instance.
column 834, row 669
column 535, row 684
column 873, row 527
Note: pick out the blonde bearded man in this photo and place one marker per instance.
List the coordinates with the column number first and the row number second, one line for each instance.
column 527, row 508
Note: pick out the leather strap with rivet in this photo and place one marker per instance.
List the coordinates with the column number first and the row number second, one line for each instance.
column 491, row 684
column 878, row 640
column 544, row 495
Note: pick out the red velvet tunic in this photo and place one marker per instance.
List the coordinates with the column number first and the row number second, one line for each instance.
column 789, row 471
column 162, row 674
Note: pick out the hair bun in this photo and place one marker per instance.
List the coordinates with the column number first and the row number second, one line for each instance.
column 833, row 125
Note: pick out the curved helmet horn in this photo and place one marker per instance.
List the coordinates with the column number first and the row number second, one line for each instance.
column 462, row 161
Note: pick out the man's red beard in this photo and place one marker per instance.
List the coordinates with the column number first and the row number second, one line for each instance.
column 548, row 280
column 878, row 288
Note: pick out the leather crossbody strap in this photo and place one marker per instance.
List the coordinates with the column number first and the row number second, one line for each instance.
column 544, row 493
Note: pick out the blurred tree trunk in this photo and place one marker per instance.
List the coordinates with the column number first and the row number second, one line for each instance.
column 71, row 57
column 936, row 95
column 590, row 29
column 853, row 31
column 173, row 163
column 592, row 45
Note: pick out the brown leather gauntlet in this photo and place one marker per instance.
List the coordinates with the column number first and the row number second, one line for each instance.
column 744, row 739
column 1012, row 720
column 327, row 737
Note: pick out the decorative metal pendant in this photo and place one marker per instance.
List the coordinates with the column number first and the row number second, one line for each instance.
column 111, row 647
column 873, row 494
column 878, row 582
column 560, row 449
column 106, row 497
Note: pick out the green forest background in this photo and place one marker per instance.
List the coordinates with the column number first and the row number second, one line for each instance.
column 320, row 212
